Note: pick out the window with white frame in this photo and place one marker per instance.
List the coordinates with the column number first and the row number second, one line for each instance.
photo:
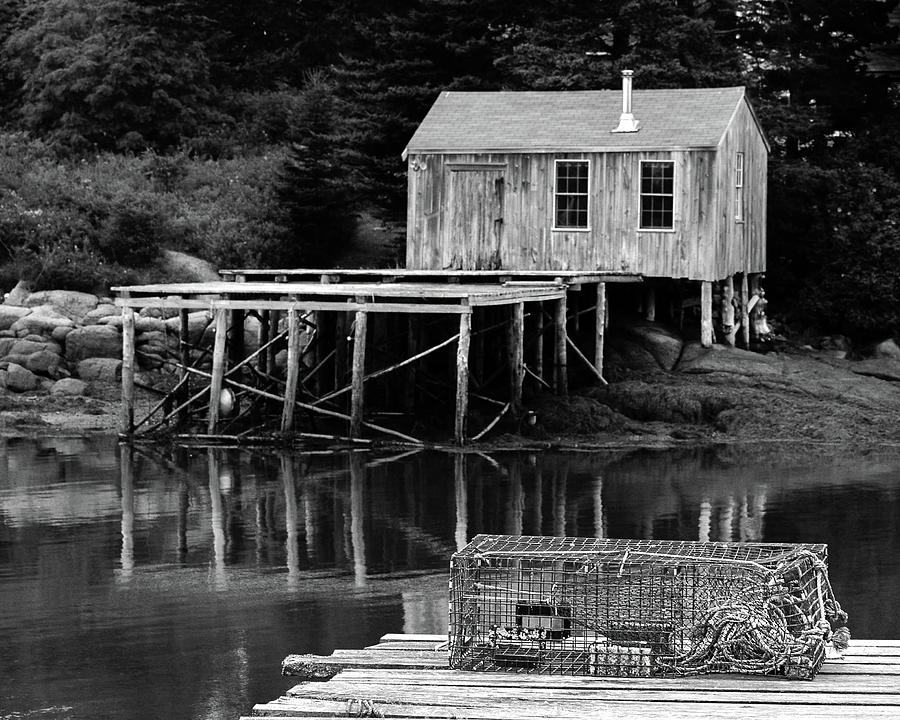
column 657, row 195
column 739, row 187
column 570, row 195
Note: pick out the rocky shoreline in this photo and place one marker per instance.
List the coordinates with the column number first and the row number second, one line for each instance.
column 61, row 362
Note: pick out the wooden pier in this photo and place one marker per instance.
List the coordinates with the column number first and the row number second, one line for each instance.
column 330, row 322
column 406, row 676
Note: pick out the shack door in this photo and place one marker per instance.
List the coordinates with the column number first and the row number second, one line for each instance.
column 473, row 228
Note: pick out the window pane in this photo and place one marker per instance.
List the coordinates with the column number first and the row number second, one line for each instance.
column 571, row 195
column 657, row 194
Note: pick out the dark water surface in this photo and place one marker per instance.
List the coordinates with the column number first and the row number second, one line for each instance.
column 171, row 584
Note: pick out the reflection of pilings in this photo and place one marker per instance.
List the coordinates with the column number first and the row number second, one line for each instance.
column 126, row 469
column 462, row 505
column 560, row 479
column 217, row 518
column 703, row 523
column 516, row 504
column 357, row 516
column 599, row 519
column 538, row 497
column 750, row 522
column 183, row 505
column 726, row 520
column 290, row 520
column 310, row 500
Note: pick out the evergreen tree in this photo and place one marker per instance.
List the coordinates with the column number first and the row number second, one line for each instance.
column 97, row 74
column 313, row 188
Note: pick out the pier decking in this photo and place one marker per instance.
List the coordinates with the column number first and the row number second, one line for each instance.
column 406, row 676
column 322, row 319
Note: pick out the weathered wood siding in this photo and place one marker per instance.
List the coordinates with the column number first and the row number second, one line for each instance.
column 511, row 225
column 741, row 245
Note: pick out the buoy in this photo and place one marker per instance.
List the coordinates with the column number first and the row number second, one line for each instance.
column 227, row 402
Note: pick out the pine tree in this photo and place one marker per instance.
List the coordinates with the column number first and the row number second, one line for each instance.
column 314, row 186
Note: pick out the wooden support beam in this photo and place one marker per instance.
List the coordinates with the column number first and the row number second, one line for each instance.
column 184, row 353
column 727, row 311
column 538, row 361
column 341, row 349
column 126, row 423
column 600, row 331
column 516, row 356
column 745, row 310
column 560, row 377
column 462, row 378
column 292, row 371
column 706, row 326
column 218, row 368
column 272, row 350
column 580, row 355
column 359, row 370
column 264, row 334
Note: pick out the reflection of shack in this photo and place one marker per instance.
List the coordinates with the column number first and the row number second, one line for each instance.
column 634, row 608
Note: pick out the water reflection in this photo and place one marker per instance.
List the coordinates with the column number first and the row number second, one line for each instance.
column 198, row 570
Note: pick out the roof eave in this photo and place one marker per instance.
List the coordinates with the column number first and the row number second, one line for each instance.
column 552, row 150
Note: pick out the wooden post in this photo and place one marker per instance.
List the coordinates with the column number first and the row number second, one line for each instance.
column 745, row 310
column 462, row 376
column 413, row 330
column 127, row 419
column 218, row 368
column 341, row 351
column 650, row 303
column 292, row 371
column 272, row 350
column 262, row 361
column 359, row 370
column 600, row 327
column 706, row 328
column 462, row 501
column 539, row 341
column 184, row 353
column 516, row 353
column 561, row 380
column 728, row 329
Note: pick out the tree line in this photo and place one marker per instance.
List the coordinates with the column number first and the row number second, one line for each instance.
column 309, row 103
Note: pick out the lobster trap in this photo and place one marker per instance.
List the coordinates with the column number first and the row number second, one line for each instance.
column 582, row 606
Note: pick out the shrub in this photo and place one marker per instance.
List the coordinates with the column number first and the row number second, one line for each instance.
column 132, row 235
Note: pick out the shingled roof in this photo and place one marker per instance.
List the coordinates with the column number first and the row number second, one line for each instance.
column 574, row 121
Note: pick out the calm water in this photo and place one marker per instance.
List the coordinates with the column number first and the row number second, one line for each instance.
column 171, row 585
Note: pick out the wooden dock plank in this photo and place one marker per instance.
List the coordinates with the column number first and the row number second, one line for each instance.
column 406, row 676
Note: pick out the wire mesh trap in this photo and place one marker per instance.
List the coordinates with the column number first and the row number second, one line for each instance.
column 580, row 606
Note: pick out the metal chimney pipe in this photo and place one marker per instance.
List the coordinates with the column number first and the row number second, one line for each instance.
column 627, row 123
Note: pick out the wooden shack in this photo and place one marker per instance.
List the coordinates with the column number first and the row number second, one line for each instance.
column 665, row 184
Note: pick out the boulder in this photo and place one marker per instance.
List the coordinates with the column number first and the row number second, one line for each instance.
column 721, row 358
column 69, row 303
column 885, row 368
column 93, row 341
column 149, row 324
column 42, row 320
column 100, row 370
column 887, row 349
column 60, row 334
column 19, row 294
column 111, row 321
column 9, row 314
column 187, row 267
column 27, row 346
column 69, row 386
column 47, row 363
column 6, row 346
column 664, row 345
column 20, row 379
column 197, row 324
column 103, row 309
